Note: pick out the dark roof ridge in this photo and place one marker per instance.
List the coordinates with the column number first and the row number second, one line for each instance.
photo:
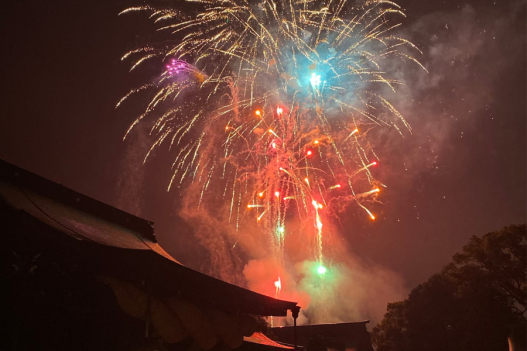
column 74, row 199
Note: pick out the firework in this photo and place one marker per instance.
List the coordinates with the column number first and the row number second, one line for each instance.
column 265, row 100
column 278, row 285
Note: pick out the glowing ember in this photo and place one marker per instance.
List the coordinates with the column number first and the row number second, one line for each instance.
column 278, row 284
column 314, row 80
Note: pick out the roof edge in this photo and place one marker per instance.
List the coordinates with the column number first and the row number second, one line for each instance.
column 42, row 186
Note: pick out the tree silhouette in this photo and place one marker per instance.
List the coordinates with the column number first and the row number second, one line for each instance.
column 500, row 258
column 475, row 303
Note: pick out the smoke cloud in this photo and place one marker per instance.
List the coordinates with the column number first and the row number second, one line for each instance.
column 351, row 289
column 465, row 52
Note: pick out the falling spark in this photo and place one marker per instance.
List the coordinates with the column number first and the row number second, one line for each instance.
column 260, row 216
column 373, row 191
column 278, row 285
column 368, row 211
column 272, row 132
column 355, row 131
column 318, row 224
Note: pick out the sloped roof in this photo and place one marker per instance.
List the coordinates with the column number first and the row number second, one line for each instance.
column 261, row 339
column 115, row 243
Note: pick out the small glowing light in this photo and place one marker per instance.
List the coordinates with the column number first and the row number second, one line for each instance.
column 352, row 133
column 376, row 190
column 315, row 142
column 272, row 132
column 273, row 145
column 321, row 269
column 309, row 152
column 281, row 230
column 261, row 194
column 227, row 128
column 279, row 111
column 260, row 216
column 374, row 163
column 278, row 284
column 258, row 113
column 320, row 206
column 306, row 180
column 277, row 193
column 315, row 80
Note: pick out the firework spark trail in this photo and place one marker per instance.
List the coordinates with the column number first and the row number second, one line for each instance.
column 275, row 93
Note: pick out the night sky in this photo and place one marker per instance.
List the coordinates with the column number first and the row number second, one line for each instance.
column 462, row 172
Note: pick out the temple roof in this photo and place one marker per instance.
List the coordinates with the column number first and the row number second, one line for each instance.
column 117, row 244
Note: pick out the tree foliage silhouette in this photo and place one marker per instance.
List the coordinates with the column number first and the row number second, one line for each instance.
column 477, row 301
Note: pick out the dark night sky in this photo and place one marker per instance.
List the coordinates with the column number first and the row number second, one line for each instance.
column 62, row 76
